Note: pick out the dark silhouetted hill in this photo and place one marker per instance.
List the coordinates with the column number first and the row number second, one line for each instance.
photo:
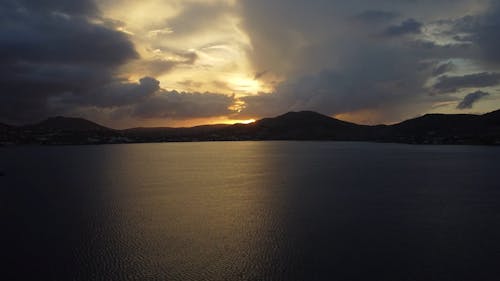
column 304, row 125
column 441, row 124
column 492, row 118
column 303, row 119
column 448, row 128
column 69, row 124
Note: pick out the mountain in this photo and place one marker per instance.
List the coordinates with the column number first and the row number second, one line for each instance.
column 67, row 124
column 61, row 130
column 308, row 125
column 448, row 128
column 492, row 118
column 303, row 125
column 439, row 124
column 303, row 119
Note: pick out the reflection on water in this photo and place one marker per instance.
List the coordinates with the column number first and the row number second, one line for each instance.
column 251, row 211
column 196, row 212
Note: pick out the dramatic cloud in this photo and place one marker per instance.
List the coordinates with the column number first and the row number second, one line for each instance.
column 81, row 7
column 376, row 16
column 111, row 95
column 50, row 48
column 375, row 61
column 60, row 57
column 147, row 100
column 483, row 31
column 198, row 40
column 333, row 92
column 409, row 26
column 158, row 65
column 470, row 99
column 349, row 67
column 175, row 105
column 443, row 68
column 197, row 16
column 450, row 84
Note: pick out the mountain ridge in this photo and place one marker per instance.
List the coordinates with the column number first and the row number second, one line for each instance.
column 301, row 125
column 66, row 124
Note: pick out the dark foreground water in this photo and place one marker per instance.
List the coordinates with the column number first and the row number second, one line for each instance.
column 250, row 211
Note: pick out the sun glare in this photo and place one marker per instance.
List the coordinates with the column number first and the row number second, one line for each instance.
column 246, row 85
column 248, row 121
column 234, row 121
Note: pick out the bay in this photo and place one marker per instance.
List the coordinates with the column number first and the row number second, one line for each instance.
column 250, row 211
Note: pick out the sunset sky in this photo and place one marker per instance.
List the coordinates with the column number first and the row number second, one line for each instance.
column 127, row 63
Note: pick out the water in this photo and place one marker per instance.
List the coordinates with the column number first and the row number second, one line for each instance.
column 250, row 211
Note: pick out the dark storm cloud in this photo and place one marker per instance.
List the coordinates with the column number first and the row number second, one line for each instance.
column 156, row 67
column 450, row 84
column 60, row 57
column 32, row 35
column 159, row 65
column 260, row 74
column 50, row 48
column 376, row 16
column 443, row 68
column 114, row 94
column 176, row 105
column 356, row 87
column 356, row 68
column 482, row 30
column 81, row 7
column 354, row 71
column 119, row 94
column 409, row 26
column 146, row 99
column 470, row 99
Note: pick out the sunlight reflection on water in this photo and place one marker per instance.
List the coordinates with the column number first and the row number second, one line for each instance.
column 251, row 211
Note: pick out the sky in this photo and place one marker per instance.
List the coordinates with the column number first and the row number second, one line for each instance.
column 127, row 63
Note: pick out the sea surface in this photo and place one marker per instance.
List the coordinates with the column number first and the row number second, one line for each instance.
column 250, row 211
